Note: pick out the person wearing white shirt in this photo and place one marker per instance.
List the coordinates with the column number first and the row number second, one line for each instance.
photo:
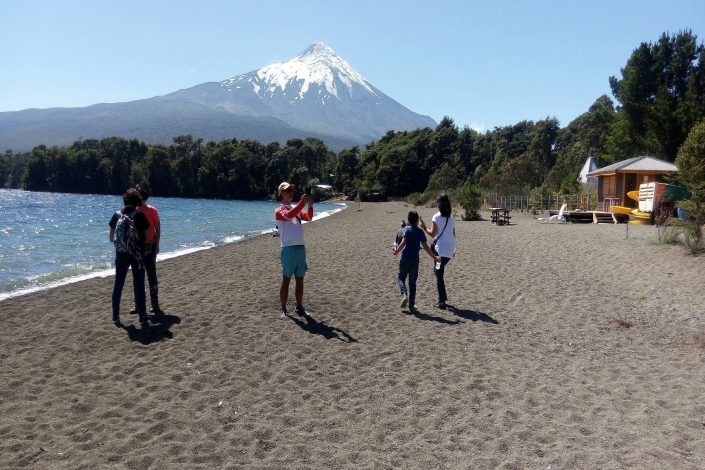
column 444, row 243
column 293, row 249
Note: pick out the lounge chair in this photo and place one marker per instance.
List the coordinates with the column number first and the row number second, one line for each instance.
column 560, row 217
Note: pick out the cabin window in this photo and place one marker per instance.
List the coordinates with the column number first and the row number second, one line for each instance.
column 609, row 186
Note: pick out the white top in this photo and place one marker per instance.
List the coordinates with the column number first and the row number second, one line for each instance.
column 291, row 232
column 445, row 245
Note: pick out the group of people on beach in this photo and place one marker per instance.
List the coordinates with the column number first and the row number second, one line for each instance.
column 409, row 241
column 136, row 231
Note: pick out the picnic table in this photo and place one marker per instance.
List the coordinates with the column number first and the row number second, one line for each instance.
column 500, row 215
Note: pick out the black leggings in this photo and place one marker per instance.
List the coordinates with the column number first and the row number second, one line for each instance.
column 440, row 283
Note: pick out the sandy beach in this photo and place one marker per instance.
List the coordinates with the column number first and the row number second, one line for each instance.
column 531, row 370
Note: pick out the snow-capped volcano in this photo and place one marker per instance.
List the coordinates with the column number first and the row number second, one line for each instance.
column 316, row 91
column 315, row 94
column 318, row 65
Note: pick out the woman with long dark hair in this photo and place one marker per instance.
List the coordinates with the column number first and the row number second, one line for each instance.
column 443, row 233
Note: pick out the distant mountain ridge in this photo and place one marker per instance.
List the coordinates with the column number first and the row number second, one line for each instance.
column 315, row 94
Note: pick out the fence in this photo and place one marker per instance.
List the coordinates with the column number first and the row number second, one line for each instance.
column 541, row 202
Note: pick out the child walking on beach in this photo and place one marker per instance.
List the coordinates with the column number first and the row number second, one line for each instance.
column 414, row 238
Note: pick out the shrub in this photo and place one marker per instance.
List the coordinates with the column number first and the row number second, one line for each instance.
column 691, row 172
column 417, row 199
column 687, row 232
column 470, row 199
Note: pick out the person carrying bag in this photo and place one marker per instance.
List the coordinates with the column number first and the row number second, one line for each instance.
column 443, row 245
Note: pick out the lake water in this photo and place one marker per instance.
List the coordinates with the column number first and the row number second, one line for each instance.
column 50, row 239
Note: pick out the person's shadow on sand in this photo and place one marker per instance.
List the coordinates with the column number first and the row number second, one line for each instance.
column 320, row 328
column 158, row 329
column 471, row 315
column 425, row 316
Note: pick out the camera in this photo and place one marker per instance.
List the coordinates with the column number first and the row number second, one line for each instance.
column 307, row 190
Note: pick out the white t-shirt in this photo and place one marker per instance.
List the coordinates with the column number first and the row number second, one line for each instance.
column 291, row 231
column 445, row 245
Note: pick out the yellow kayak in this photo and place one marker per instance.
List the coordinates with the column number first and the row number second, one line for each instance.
column 641, row 215
column 621, row 210
column 633, row 195
column 640, row 218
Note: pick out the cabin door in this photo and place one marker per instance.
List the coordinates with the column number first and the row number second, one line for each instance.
column 630, row 184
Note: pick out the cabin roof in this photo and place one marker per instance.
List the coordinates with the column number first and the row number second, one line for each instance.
column 637, row 165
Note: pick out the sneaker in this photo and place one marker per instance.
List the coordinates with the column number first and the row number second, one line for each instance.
column 440, row 305
column 412, row 309
column 283, row 312
column 300, row 311
column 144, row 322
column 116, row 321
column 404, row 301
column 133, row 311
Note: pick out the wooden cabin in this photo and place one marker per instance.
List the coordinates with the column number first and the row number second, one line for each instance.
column 616, row 180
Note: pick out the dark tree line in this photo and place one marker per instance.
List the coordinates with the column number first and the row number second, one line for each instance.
column 229, row 169
column 660, row 97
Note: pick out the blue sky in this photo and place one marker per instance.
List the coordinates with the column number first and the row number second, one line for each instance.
column 484, row 64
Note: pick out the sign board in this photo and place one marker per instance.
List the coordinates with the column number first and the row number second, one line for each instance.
column 647, row 194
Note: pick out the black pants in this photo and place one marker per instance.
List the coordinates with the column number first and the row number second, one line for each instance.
column 440, row 283
column 150, row 265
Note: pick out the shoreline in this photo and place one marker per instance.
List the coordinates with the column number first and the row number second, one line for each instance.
column 103, row 273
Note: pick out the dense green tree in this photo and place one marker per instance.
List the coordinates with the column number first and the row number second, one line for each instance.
column 443, row 145
column 691, row 172
column 399, row 171
column 36, row 175
column 466, row 150
column 445, row 178
column 470, row 199
column 691, row 162
column 347, row 170
column 661, row 96
column 12, row 169
column 160, row 174
column 187, row 154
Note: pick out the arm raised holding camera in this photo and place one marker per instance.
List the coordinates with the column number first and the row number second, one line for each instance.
column 308, row 214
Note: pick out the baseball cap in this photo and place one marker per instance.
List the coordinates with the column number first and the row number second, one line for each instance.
column 283, row 186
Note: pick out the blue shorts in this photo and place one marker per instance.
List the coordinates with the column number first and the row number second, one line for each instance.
column 293, row 260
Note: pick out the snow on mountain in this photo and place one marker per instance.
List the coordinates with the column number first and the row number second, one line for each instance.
column 317, row 65
column 316, row 91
